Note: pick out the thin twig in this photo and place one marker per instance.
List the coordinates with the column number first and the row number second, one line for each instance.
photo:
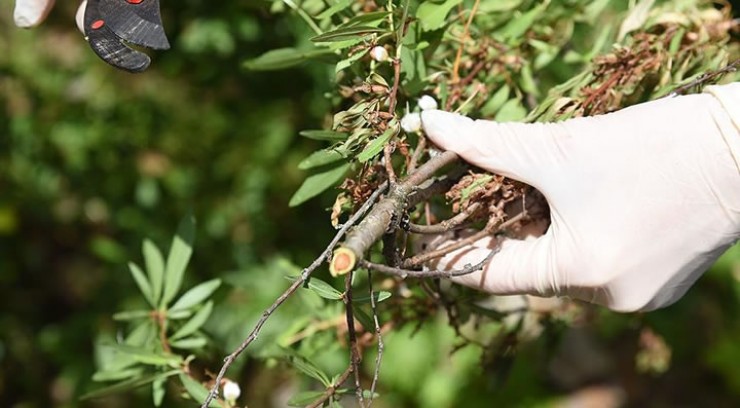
column 436, row 273
column 291, row 289
column 388, row 161
column 491, row 228
column 330, row 391
column 448, row 224
column 466, row 31
column 418, row 153
column 354, row 353
column 379, row 357
column 707, row 76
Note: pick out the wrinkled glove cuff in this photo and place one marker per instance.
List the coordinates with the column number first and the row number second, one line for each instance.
column 729, row 97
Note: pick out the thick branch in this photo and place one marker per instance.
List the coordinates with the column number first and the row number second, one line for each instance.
column 376, row 223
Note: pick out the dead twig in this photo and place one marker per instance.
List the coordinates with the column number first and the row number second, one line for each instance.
column 379, row 357
column 354, row 354
column 436, row 273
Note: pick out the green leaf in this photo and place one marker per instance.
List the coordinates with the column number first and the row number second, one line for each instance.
column 379, row 297
column 117, row 375
column 284, row 58
column 132, row 314
column 196, row 295
column 128, row 385
column 197, row 391
column 365, row 319
column 179, row 314
column 195, row 322
column 158, row 391
column 324, row 289
column 154, row 267
column 190, row 343
column 307, row 367
column 322, row 157
column 511, row 111
column 316, row 183
column 339, row 6
column 346, row 33
column 432, row 14
column 367, row 19
column 142, row 283
column 496, row 102
column 517, row 26
column 376, row 146
column 304, row 398
column 178, row 258
column 324, row 135
column 145, row 356
column 347, row 62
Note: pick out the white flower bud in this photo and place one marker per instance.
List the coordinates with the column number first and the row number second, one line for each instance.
column 379, row 54
column 231, row 391
column 427, row 102
column 411, row 122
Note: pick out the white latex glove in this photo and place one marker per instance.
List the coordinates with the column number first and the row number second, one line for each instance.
column 30, row 13
column 642, row 200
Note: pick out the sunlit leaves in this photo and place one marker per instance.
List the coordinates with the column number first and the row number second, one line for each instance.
column 178, row 258
column 432, row 14
column 318, row 182
column 285, row 58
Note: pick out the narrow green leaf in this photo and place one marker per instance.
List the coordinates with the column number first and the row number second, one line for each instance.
column 128, row 385
column 304, row 398
column 117, row 375
column 285, row 58
column 433, row 14
column 496, row 102
column 195, row 322
column 196, row 295
column 324, row 135
column 158, row 391
column 511, row 111
column 307, row 367
column 322, row 157
column 154, row 262
column 339, row 6
column 142, row 283
column 367, row 19
column 179, row 314
column 324, row 289
column 379, row 297
column 316, row 183
column 132, row 315
column 197, row 391
column 189, row 343
column 347, row 62
column 376, row 146
column 145, row 356
column 517, row 26
column 346, row 33
column 365, row 320
column 178, row 258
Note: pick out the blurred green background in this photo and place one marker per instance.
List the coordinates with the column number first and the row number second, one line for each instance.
column 93, row 160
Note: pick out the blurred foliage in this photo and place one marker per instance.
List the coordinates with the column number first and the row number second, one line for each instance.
column 92, row 161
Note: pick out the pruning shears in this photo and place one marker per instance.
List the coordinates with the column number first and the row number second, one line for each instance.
column 111, row 25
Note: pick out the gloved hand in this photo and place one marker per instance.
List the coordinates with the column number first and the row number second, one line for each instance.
column 108, row 26
column 642, row 200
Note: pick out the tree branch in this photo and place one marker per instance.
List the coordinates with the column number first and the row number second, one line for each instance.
column 291, row 289
column 436, row 273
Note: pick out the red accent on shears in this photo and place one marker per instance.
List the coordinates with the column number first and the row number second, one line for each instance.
column 134, row 1
column 97, row 24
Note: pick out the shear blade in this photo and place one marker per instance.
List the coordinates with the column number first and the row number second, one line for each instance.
column 107, row 45
column 136, row 21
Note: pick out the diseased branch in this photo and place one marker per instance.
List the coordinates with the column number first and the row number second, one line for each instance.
column 491, row 228
column 448, row 224
column 376, row 223
column 291, row 289
column 436, row 273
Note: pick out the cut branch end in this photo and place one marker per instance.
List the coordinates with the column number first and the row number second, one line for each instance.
column 342, row 262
